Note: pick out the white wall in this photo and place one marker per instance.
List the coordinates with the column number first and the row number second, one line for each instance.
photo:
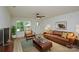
column 33, row 23
column 71, row 18
column 4, row 17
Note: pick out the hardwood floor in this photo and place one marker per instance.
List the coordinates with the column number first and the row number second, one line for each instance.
column 13, row 46
column 7, row 48
column 17, row 45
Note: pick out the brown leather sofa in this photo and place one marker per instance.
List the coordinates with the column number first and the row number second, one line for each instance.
column 56, row 36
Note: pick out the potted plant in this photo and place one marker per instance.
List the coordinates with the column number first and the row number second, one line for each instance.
column 13, row 31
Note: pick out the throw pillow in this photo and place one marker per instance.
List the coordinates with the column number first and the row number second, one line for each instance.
column 64, row 35
column 71, row 37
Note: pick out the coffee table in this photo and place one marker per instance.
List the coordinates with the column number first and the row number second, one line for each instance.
column 41, row 44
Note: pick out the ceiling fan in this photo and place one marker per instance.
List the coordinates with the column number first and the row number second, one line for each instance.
column 38, row 16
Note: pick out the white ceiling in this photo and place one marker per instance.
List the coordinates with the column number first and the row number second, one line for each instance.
column 48, row 11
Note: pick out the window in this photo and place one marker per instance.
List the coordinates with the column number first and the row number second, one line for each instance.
column 19, row 26
column 22, row 25
column 27, row 24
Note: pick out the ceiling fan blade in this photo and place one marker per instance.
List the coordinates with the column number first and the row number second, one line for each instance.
column 40, row 16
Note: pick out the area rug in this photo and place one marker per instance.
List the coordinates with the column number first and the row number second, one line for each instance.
column 27, row 46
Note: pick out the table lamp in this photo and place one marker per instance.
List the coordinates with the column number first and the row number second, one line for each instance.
column 77, row 30
column 48, row 28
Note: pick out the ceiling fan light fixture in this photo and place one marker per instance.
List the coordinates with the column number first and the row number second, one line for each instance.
column 37, row 18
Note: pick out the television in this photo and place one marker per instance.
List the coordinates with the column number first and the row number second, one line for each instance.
column 1, row 37
column 6, row 35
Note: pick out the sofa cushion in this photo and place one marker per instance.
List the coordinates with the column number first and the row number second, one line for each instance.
column 58, row 33
column 71, row 36
column 56, row 37
column 48, row 33
column 64, row 35
column 28, row 32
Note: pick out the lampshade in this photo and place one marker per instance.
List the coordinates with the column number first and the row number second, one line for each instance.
column 77, row 28
column 48, row 27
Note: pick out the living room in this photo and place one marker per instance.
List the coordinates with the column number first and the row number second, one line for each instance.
column 45, row 22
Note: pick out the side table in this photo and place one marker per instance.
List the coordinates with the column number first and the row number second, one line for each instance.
column 77, row 42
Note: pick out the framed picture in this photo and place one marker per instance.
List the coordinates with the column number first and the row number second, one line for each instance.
column 61, row 25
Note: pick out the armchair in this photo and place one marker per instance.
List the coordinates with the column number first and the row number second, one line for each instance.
column 29, row 34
